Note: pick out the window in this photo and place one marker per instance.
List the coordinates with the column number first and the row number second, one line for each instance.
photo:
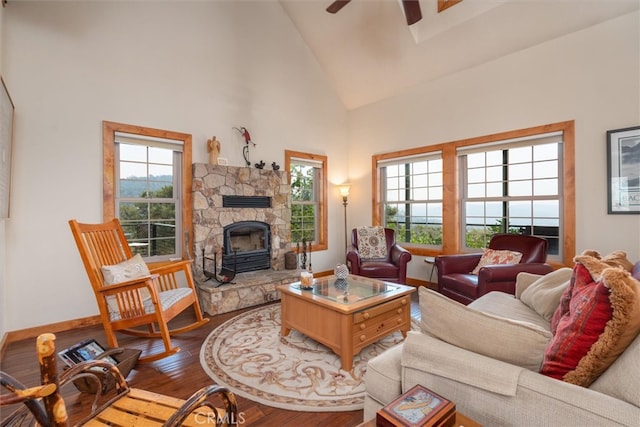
column 147, row 186
column 412, row 198
column 512, row 187
column 520, row 181
column 308, row 197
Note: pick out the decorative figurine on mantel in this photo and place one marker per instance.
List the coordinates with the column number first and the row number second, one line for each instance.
column 213, row 147
column 247, row 141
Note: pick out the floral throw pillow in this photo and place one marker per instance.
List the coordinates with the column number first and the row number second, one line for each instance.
column 372, row 244
column 495, row 257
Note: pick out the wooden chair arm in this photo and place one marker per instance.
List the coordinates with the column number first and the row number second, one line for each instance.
column 172, row 267
column 199, row 399
column 21, row 395
column 140, row 282
column 29, row 396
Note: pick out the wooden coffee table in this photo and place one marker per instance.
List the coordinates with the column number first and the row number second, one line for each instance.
column 346, row 315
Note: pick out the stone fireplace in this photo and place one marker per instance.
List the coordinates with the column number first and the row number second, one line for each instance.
column 246, row 213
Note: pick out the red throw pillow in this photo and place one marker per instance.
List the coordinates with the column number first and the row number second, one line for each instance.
column 580, row 321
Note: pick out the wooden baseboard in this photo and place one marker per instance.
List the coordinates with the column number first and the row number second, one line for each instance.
column 417, row 283
column 22, row 334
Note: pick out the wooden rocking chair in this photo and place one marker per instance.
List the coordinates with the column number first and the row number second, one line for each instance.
column 152, row 300
column 123, row 406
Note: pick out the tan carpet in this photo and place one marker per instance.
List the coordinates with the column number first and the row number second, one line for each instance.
column 248, row 355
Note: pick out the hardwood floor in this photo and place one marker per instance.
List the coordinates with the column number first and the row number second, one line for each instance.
column 178, row 376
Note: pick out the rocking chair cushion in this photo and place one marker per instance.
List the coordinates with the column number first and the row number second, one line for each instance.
column 167, row 299
column 133, row 268
column 130, row 269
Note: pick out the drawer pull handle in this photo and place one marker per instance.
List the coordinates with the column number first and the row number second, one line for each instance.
column 399, row 321
column 363, row 337
column 365, row 315
column 403, row 302
column 362, row 326
column 399, row 311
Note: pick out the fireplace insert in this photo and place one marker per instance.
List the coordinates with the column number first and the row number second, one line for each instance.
column 247, row 246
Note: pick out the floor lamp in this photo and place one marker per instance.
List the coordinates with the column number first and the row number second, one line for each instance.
column 344, row 192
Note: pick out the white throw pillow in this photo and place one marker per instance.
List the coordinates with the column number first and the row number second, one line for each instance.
column 543, row 295
column 496, row 257
column 133, row 268
column 510, row 341
column 130, row 269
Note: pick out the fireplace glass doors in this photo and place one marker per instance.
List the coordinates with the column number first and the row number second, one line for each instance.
column 247, row 246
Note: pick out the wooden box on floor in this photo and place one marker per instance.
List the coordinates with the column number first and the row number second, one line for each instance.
column 126, row 359
column 418, row 407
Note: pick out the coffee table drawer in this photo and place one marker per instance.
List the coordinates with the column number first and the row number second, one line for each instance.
column 373, row 329
column 371, row 313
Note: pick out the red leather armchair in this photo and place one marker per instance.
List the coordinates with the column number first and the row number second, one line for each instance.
column 391, row 269
column 456, row 282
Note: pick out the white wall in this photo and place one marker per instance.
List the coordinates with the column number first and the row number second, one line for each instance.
column 592, row 77
column 195, row 67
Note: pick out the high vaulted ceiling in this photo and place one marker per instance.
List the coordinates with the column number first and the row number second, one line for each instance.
column 369, row 52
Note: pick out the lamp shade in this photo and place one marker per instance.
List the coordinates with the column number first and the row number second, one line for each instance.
column 344, row 189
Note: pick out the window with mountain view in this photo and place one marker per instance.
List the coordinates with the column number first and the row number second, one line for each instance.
column 147, row 169
column 412, row 198
column 512, row 187
column 146, row 201
column 451, row 197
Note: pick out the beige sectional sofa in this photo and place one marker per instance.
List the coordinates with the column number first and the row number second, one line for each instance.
column 485, row 357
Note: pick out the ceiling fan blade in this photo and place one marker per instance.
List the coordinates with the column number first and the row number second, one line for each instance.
column 337, row 5
column 412, row 11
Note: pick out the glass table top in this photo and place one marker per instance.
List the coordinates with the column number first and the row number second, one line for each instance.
column 347, row 291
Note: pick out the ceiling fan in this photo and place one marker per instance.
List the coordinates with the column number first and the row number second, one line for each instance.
column 411, row 9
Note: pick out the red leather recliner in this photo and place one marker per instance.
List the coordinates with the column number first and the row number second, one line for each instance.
column 456, row 282
column 391, row 269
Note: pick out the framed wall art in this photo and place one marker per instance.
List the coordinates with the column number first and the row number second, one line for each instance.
column 623, row 170
column 6, row 141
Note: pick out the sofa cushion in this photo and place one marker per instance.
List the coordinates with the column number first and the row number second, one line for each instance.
column 378, row 269
column 544, row 294
column 505, row 305
column 617, row 382
column 523, row 281
column 383, row 377
column 600, row 319
column 496, row 257
column 510, row 341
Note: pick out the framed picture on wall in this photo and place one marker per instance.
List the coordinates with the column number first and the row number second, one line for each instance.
column 6, row 141
column 623, row 170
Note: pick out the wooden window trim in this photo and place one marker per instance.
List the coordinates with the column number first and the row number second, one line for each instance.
column 451, row 205
column 109, row 130
column 446, row 4
column 322, row 205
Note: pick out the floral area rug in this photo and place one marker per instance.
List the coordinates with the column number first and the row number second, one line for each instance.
column 248, row 355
